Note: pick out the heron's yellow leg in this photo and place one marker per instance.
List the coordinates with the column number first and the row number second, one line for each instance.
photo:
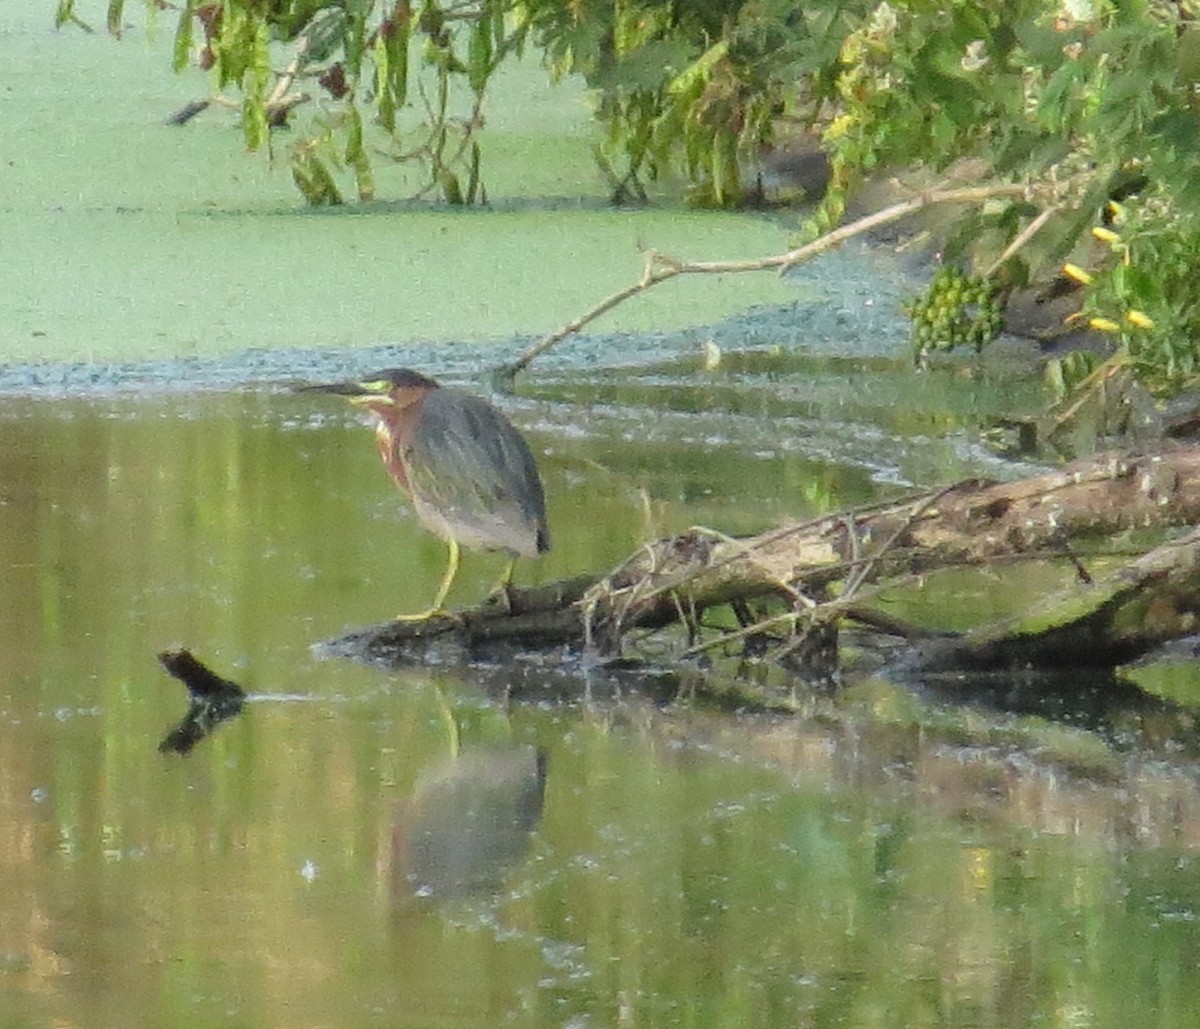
column 505, row 581
column 443, row 589
column 448, row 578
column 504, row 585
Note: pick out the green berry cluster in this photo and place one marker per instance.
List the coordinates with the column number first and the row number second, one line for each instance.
column 956, row 310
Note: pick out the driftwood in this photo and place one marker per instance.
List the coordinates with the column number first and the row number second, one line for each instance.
column 826, row 571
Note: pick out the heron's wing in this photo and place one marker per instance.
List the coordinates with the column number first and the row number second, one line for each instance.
column 473, row 477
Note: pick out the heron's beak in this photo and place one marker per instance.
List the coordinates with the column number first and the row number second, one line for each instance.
column 355, row 392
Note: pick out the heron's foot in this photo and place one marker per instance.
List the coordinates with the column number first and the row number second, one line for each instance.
column 502, row 596
column 427, row 615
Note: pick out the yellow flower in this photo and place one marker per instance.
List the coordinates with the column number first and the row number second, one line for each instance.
column 1073, row 271
column 1117, row 212
column 1139, row 319
column 1104, row 325
column 1105, row 235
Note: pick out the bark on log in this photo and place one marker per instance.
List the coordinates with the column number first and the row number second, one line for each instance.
column 971, row 523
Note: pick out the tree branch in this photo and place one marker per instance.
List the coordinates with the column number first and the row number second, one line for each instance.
column 660, row 267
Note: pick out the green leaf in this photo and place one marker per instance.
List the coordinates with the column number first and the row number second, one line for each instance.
column 313, row 180
column 479, row 55
column 473, row 183
column 326, row 34
column 354, row 34
column 392, row 80
column 495, row 13
column 451, row 188
column 254, row 88
column 1054, row 108
column 699, row 71
column 385, row 100
column 943, row 130
column 291, row 17
column 1118, row 279
column 64, row 13
column 646, row 67
column 254, row 122
column 183, row 39
column 356, row 156
column 1188, row 67
column 1042, row 44
column 725, row 177
column 1055, row 379
column 1178, row 128
column 115, row 10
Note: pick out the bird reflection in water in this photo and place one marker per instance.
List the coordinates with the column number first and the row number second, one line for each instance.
column 467, row 822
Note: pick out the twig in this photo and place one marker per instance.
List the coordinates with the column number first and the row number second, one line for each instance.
column 277, row 112
column 860, row 574
column 649, row 278
column 858, row 570
column 742, row 633
column 747, row 550
column 1087, row 388
column 1023, row 237
column 188, row 111
column 276, row 109
column 284, row 82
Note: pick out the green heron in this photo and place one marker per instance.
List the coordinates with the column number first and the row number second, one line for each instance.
column 469, row 473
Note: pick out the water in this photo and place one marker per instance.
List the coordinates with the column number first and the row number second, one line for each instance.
column 869, row 861
column 482, row 846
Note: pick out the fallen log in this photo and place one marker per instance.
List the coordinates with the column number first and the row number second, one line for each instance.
column 826, row 570
column 1112, row 620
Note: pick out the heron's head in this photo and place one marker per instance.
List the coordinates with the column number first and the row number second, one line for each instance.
column 387, row 393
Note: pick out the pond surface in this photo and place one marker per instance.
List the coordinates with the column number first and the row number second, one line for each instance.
column 475, row 847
